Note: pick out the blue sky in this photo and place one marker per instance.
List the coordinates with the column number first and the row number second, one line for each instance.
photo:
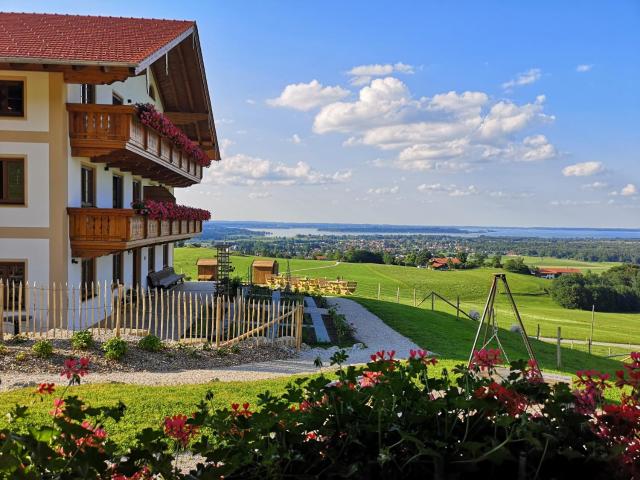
column 483, row 113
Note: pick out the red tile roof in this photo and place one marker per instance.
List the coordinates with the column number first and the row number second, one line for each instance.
column 441, row 262
column 85, row 39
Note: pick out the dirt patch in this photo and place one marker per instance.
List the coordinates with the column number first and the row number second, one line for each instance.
column 342, row 337
column 19, row 357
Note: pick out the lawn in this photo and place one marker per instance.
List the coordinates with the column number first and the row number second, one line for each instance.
column 471, row 286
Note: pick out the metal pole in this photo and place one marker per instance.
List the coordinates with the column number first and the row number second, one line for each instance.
column 559, row 350
column 487, row 307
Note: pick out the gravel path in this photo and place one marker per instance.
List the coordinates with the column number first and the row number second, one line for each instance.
column 369, row 329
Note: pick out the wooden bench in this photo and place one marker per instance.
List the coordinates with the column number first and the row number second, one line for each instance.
column 165, row 278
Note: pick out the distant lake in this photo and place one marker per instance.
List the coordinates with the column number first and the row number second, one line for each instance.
column 595, row 233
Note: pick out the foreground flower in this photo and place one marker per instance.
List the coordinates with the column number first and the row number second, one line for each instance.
column 74, row 368
column 46, row 388
column 177, row 428
column 58, row 408
column 485, row 359
column 369, row 379
column 512, row 401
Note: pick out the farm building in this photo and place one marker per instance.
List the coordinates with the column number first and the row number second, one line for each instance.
column 548, row 272
column 442, row 263
column 207, row 269
column 262, row 269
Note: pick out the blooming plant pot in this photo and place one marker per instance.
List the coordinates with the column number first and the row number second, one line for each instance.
column 175, row 227
column 184, row 226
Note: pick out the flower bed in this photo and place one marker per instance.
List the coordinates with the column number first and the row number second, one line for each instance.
column 152, row 118
column 387, row 419
column 170, row 211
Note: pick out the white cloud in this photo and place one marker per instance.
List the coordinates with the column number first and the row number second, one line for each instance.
column 450, row 190
column 250, row 101
column 595, row 186
column 449, row 131
column 258, row 195
column 629, row 190
column 583, row 169
column 506, row 118
column 243, row 169
column 524, row 78
column 384, row 190
column 307, row 96
column 225, row 143
column 295, row 138
column 363, row 74
column 584, row 68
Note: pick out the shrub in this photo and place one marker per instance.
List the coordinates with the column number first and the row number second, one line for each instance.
column 150, row 343
column 21, row 356
column 114, row 348
column 3, row 349
column 42, row 348
column 82, row 340
column 517, row 265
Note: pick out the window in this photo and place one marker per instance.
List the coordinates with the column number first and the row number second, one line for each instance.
column 12, row 180
column 11, row 98
column 117, row 191
column 137, row 191
column 87, row 93
column 88, row 274
column 116, row 99
column 117, row 268
column 87, row 187
column 152, row 92
column 11, row 273
column 165, row 255
column 151, row 259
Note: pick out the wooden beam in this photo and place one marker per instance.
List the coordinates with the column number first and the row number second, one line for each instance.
column 183, row 118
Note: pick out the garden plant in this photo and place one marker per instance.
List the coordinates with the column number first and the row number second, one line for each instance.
column 386, row 419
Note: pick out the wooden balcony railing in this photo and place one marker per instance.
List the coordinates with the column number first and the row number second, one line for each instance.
column 100, row 231
column 114, row 135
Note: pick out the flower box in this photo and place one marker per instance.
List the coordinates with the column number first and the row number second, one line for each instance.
column 152, row 228
column 165, row 228
column 175, row 227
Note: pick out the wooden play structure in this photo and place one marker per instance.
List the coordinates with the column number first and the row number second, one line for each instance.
column 207, row 269
column 311, row 285
column 262, row 269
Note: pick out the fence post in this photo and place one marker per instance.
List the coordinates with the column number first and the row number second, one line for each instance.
column 458, row 308
column 433, row 296
column 378, row 291
column 559, row 350
column 118, row 305
column 1, row 310
column 538, row 333
column 414, row 297
column 299, row 327
column 398, row 295
column 218, row 315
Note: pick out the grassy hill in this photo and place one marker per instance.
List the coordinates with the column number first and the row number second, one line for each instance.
column 534, row 303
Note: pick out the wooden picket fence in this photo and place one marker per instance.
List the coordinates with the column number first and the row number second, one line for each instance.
column 178, row 315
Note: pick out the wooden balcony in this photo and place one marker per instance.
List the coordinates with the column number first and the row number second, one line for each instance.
column 113, row 134
column 100, row 231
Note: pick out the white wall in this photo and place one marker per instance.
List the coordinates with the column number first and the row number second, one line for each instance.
column 34, row 251
column 133, row 90
column 36, row 212
column 37, row 102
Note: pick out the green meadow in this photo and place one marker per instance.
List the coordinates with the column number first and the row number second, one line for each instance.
column 471, row 286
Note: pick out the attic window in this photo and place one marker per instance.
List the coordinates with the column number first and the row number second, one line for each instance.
column 11, row 98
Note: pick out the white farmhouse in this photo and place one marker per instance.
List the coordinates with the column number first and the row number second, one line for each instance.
column 75, row 152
